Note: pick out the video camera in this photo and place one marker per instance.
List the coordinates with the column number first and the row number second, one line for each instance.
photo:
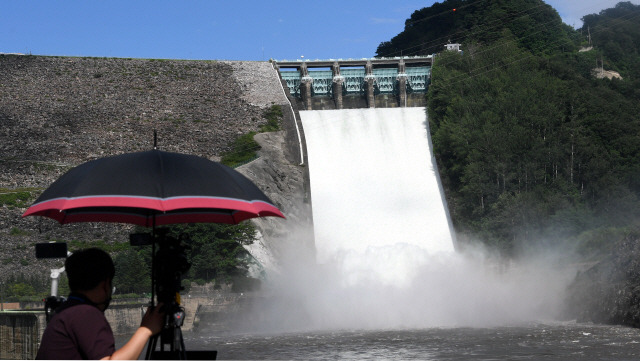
column 169, row 264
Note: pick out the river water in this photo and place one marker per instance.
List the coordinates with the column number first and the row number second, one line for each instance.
column 555, row 341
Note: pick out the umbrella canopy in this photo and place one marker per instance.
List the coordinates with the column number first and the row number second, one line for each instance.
column 152, row 188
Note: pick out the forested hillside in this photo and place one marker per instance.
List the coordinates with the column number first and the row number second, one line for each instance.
column 535, row 25
column 616, row 34
column 532, row 146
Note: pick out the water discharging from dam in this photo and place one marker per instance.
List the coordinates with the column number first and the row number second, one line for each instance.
column 375, row 190
column 384, row 245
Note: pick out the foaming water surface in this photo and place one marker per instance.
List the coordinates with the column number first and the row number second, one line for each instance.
column 559, row 341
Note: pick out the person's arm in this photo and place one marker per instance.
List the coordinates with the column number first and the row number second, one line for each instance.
column 151, row 324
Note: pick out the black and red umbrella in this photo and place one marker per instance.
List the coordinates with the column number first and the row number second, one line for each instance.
column 153, row 188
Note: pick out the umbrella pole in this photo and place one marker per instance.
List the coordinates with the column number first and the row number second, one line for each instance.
column 171, row 333
column 153, row 262
column 154, row 339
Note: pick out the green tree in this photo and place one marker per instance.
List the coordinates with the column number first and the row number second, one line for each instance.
column 617, row 32
column 132, row 272
column 536, row 25
column 216, row 250
column 20, row 290
column 527, row 141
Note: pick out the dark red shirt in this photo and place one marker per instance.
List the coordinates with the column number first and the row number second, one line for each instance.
column 75, row 333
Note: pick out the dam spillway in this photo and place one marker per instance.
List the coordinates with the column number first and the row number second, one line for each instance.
column 374, row 186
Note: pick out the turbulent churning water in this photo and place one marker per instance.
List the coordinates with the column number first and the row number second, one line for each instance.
column 388, row 283
column 564, row 342
column 383, row 237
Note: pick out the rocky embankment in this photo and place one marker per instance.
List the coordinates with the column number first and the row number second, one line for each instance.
column 58, row 112
column 609, row 291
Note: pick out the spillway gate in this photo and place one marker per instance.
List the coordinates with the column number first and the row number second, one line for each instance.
column 381, row 82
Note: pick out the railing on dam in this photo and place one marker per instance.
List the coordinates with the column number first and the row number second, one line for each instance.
column 397, row 76
column 20, row 333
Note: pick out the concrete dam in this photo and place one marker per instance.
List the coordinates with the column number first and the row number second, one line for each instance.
column 372, row 172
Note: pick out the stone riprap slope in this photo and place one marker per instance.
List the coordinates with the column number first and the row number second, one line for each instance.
column 76, row 109
column 58, row 112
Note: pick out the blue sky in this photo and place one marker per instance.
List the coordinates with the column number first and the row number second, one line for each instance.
column 218, row 29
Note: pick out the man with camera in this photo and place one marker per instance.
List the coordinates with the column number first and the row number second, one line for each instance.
column 78, row 328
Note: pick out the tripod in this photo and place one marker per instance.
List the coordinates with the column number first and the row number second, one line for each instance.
column 170, row 335
column 168, row 265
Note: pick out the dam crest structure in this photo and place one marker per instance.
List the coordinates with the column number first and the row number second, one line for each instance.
column 357, row 83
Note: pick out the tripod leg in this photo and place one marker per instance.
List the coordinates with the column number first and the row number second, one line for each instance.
column 179, row 340
column 151, row 346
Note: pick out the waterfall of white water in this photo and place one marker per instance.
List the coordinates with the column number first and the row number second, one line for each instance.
column 385, row 254
column 375, row 191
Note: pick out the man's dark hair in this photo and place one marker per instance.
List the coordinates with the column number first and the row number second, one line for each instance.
column 87, row 268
